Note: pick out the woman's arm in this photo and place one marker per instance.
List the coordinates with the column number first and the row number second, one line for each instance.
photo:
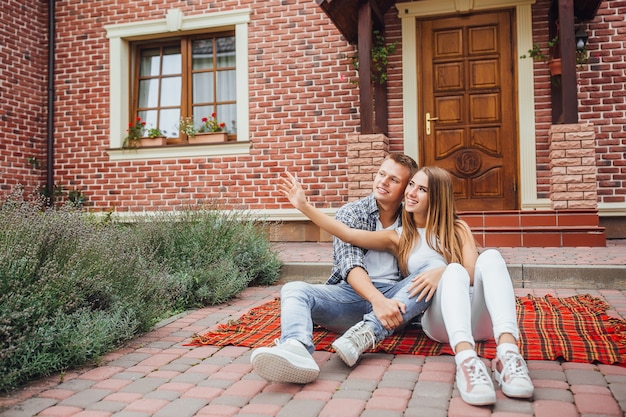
column 383, row 240
column 469, row 251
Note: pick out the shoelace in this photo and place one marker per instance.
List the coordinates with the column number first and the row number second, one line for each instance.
column 364, row 337
column 476, row 373
column 514, row 366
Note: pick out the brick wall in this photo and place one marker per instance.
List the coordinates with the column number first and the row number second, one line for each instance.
column 23, row 56
column 601, row 98
column 303, row 107
column 302, row 110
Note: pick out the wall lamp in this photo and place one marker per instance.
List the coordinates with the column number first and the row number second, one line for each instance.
column 581, row 38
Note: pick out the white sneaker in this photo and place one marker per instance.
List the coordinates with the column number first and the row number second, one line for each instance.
column 511, row 373
column 354, row 342
column 474, row 382
column 286, row 362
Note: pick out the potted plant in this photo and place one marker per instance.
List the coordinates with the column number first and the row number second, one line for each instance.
column 136, row 131
column 537, row 54
column 210, row 131
column 379, row 58
column 187, row 127
column 155, row 137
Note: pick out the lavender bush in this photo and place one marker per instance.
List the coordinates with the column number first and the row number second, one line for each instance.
column 74, row 286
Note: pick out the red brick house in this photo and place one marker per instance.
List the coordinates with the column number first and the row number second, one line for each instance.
column 280, row 75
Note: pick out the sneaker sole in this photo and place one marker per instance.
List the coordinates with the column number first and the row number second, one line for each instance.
column 512, row 393
column 473, row 401
column 343, row 356
column 278, row 369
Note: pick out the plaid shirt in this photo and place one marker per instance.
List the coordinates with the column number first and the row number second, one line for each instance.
column 360, row 214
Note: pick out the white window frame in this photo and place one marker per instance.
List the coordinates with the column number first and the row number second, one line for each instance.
column 175, row 23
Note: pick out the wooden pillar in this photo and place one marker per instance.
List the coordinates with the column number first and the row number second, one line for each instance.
column 567, row 43
column 366, row 92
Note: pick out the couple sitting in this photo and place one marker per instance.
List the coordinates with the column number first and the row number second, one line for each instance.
column 418, row 261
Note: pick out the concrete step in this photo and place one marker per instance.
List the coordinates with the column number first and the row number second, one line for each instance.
column 601, row 268
column 598, row 277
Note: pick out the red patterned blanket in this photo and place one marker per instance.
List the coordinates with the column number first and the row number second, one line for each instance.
column 575, row 329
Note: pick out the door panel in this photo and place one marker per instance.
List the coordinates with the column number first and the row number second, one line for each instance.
column 466, row 77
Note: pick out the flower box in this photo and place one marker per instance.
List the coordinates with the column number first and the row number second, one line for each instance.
column 177, row 140
column 158, row 141
column 212, row 137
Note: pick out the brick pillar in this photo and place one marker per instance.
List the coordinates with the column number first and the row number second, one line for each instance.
column 573, row 182
column 365, row 154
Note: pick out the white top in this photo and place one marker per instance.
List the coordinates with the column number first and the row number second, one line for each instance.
column 382, row 266
column 423, row 257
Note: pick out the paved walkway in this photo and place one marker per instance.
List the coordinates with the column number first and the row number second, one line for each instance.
column 156, row 375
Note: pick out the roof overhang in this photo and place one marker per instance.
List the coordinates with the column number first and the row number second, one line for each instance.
column 344, row 13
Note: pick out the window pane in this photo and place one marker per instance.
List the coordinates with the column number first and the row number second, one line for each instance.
column 150, row 60
column 227, row 113
column 202, row 53
column 149, row 93
column 172, row 61
column 226, row 85
column 171, row 89
column 203, row 87
column 150, row 117
column 200, row 112
column 226, row 52
column 169, row 122
column 144, row 116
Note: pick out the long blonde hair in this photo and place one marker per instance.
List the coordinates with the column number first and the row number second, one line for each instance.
column 444, row 230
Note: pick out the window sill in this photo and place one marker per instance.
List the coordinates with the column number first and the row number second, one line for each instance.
column 180, row 151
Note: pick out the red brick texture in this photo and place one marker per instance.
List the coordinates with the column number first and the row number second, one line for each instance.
column 304, row 113
column 23, row 78
column 601, row 99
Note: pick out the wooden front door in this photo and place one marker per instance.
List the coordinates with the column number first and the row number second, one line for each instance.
column 467, row 105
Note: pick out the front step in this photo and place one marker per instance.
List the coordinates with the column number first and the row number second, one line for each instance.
column 536, row 228
column 509, row 228
column 597, row 277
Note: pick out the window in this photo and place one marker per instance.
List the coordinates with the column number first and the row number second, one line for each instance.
column 180, row 66
column 190, row 78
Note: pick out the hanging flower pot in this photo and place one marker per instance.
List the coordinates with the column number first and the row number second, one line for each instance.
column 555, row 66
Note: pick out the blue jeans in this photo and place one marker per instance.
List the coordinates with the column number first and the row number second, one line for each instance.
column 337, row 308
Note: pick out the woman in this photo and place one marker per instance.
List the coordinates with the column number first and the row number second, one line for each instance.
column 473, row 299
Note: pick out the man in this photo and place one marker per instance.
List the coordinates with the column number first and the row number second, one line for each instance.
column 361, row 282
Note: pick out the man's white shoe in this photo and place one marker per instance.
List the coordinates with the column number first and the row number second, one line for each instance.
column 354, row 342
column 474, row 382
column 511, row 373
column 288, row 361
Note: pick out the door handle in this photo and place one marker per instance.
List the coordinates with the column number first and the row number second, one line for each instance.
column 428, row 120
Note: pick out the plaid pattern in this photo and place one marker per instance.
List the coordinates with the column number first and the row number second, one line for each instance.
column 575, row 329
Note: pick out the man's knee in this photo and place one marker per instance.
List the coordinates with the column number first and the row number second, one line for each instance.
column 293, row 288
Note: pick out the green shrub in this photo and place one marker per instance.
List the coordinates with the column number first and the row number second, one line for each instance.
column 74, row 287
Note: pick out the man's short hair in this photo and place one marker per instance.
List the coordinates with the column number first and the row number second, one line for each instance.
column 404, row 160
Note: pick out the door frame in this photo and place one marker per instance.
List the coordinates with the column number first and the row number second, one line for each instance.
column 408, row 14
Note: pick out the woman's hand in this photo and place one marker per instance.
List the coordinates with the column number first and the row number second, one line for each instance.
column 291, row 188
column 425, row 284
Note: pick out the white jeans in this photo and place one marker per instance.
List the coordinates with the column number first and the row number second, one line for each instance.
column 456, row 315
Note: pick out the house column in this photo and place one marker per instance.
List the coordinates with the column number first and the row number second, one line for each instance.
column 573, row 182
column 365, row 154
